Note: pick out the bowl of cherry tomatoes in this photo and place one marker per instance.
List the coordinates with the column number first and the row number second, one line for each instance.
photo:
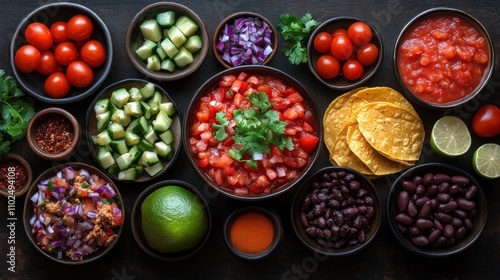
column 344, row 52
column 61, row 53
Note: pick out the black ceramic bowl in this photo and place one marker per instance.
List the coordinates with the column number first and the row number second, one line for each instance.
column 134, row 39
column 136, row 223
column 91, row 130
column 29, row 215
column 33, row 83
column 14, row 165
column 253, row 70
column 460, row 16
column 277, row 232
column 340, row 82
column 314, row 184
column 431, row 248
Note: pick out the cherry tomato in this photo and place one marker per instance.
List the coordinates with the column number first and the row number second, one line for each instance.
column 79, row 74
column 352, row 70
column 79, row 27
column 38, row 35
column 367, row 54
column 360, row 33
column 486, row 121
column 66, row 53
column 58, row 31
column 322, row 42
column 48, row 64
column 27, row 58
column 56, row 85
column 339, row 31
column 341, row 47
column 328, row 67
column 93, row 53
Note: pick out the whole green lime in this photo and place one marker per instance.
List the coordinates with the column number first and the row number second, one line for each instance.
column 173, row 219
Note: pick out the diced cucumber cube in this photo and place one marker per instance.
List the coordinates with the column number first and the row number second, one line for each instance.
column 193, row 43
column 147, row 90
column 105, row 158
column 149, row 158
column 116, row 130
column 135, row 153
column 146, row 109
column 176, row 36
column 103, row 138
column 169, row 48
column 119, row 146
column 153, row 63
column 161, row 53
column 120, row 97
column 162, row 122
column 166, row 19
column 146, row 49
column 163, row 150
column 157, row 97
column 168, row 107
column 119, row 116
column 135, row 94
column 186, row 25
column 168, row 65
column 167, row 137
column 154, row 169
column 94, row 139
column 114, row 169
column 183, row 58
column 133, row 109
column 131, row 173
column 131, row 138
column 101, row 106
column 144, row 145
column 138, row 126
column 151, row 137
column 103, row 120
column 124, row 161
column 151, row 30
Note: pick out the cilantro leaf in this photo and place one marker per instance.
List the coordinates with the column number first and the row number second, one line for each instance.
column 295, row 31
column 220, row 129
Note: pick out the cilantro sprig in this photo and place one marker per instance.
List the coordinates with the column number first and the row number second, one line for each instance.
column 15, row 112
column 295, row 32
column 256, row 129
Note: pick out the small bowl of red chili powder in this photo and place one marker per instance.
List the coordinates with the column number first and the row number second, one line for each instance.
column 53, row 134
column 16, row 175
column 252, row 232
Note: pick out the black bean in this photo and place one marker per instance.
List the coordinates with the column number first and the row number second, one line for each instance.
column 443, row 197
column 361, row 236
column 441, row 178
column 432, row 190
column 350, row 200
column 444, row 187
column 468, row 223
column 420, row 190
column 304, row 220
column 459, row 214
column 404, row 219
column 338, row 218
column 310, row 215
column 326, row 177
column 421, row 201
column 460, row 233
column 409, row 186
column 362, row 209
column 307, row 203
column 334, row 204
column 340, row 174
column 323, row 197
column 449, row 231
column 456, row 222
column 447, row 207
column 412, row 209
column 370, row 212
column 361, row 193
column 402, row 201
column 321, row 222
column 425, row 211
column 461, row 181
column 328, row 214
column 428, row 179
column 344, row 230
column 444, row 218
column 414, row 231
column 354, row 186
column 351, row 212
column 335, row 230
column 312, row 231
column 358, row 222
column 438, row 224
column 333, row 175
column 424, row 224
column 315, row 198
column 449, row 242
column 434, row 235
column 319, row 209
column 369, row 201
column 330, row 222
column 465, row 204
column 471, row 192
column 440, row 242
column 455, row 190
column 417, row 180
column 420, row 241
column 349, row 177
column 326, row 185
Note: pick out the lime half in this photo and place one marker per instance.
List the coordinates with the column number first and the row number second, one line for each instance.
column 450, row 137
column 486, row 161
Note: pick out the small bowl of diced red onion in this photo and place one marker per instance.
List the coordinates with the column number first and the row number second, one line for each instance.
column 73, row 213
column 244, row 38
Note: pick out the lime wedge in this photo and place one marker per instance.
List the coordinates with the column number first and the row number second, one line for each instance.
column 450, row 137
column 486, row 161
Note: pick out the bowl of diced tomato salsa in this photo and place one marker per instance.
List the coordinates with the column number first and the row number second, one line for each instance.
column 252, row 132
column 443, row 58
column 73, row 213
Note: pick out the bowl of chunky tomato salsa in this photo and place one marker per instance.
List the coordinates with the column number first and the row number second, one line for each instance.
column 252, row 132
column 443, row 58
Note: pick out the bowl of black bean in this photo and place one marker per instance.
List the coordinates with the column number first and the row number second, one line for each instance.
column 336, row 211
column 436, row 210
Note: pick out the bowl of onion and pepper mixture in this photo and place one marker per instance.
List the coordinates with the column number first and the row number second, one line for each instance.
column 73, row 213
column 252, row 132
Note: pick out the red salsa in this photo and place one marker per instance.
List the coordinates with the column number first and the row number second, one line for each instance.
column 442, row 59
column 247, row 146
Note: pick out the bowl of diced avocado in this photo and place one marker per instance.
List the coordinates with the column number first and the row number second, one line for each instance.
column 134, row 130
column 166, row 41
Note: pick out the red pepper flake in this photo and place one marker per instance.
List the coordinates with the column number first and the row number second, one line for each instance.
column 12, row 173
column 54, row 135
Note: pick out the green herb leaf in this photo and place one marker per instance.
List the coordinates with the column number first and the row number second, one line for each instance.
column 295, row 31
column 220, row 129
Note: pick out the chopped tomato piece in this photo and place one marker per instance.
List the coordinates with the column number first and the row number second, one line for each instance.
column 308, row 143
column 295, row 97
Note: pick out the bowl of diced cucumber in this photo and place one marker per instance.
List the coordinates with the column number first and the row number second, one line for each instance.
column 134, row 130
column 167, row 41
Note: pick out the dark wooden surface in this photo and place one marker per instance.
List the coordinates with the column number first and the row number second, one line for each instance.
column 383, row 259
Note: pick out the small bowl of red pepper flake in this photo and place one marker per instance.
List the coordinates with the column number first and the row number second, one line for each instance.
column 16, row 175
column 53, row 134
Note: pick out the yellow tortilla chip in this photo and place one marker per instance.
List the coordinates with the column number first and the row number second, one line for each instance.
column 381, row 94
column 391, row 130
column 343, row 156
